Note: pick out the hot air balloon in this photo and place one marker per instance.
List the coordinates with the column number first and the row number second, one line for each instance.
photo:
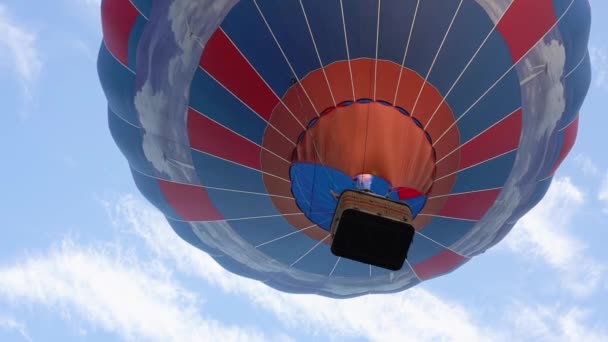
column 344, row 147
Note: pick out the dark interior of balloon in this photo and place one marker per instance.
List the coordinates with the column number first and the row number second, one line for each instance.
column 371, row 229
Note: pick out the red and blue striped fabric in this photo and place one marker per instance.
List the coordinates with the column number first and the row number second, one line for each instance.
column 287, row 101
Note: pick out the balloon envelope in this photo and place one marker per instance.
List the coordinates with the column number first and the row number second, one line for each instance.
column 243, row 120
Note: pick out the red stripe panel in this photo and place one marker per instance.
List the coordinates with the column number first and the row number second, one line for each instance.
column 439, row 264
column 189, row 201
column 499, row 139
column 118, row 18
column 407, row 193
column 525, row 23
column 569, row 139
column 222, row 60
column 469, row 206
column 208, row 136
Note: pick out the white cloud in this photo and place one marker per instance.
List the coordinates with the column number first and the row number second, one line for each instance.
column 413, row 315
column 540, row 323
column 20, row 46
column 11, row 324
column 587, row 165
column 112, row 288
column 115, row 291
column 603, row 193
column 553, row 55
column 599, row 64
column 162, row 108
column 153, row 105
column 494, row 8
column 544, row 234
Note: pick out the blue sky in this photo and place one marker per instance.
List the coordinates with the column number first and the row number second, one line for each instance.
column 84, row 257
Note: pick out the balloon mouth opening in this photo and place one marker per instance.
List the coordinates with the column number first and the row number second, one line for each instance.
column 363, row 145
